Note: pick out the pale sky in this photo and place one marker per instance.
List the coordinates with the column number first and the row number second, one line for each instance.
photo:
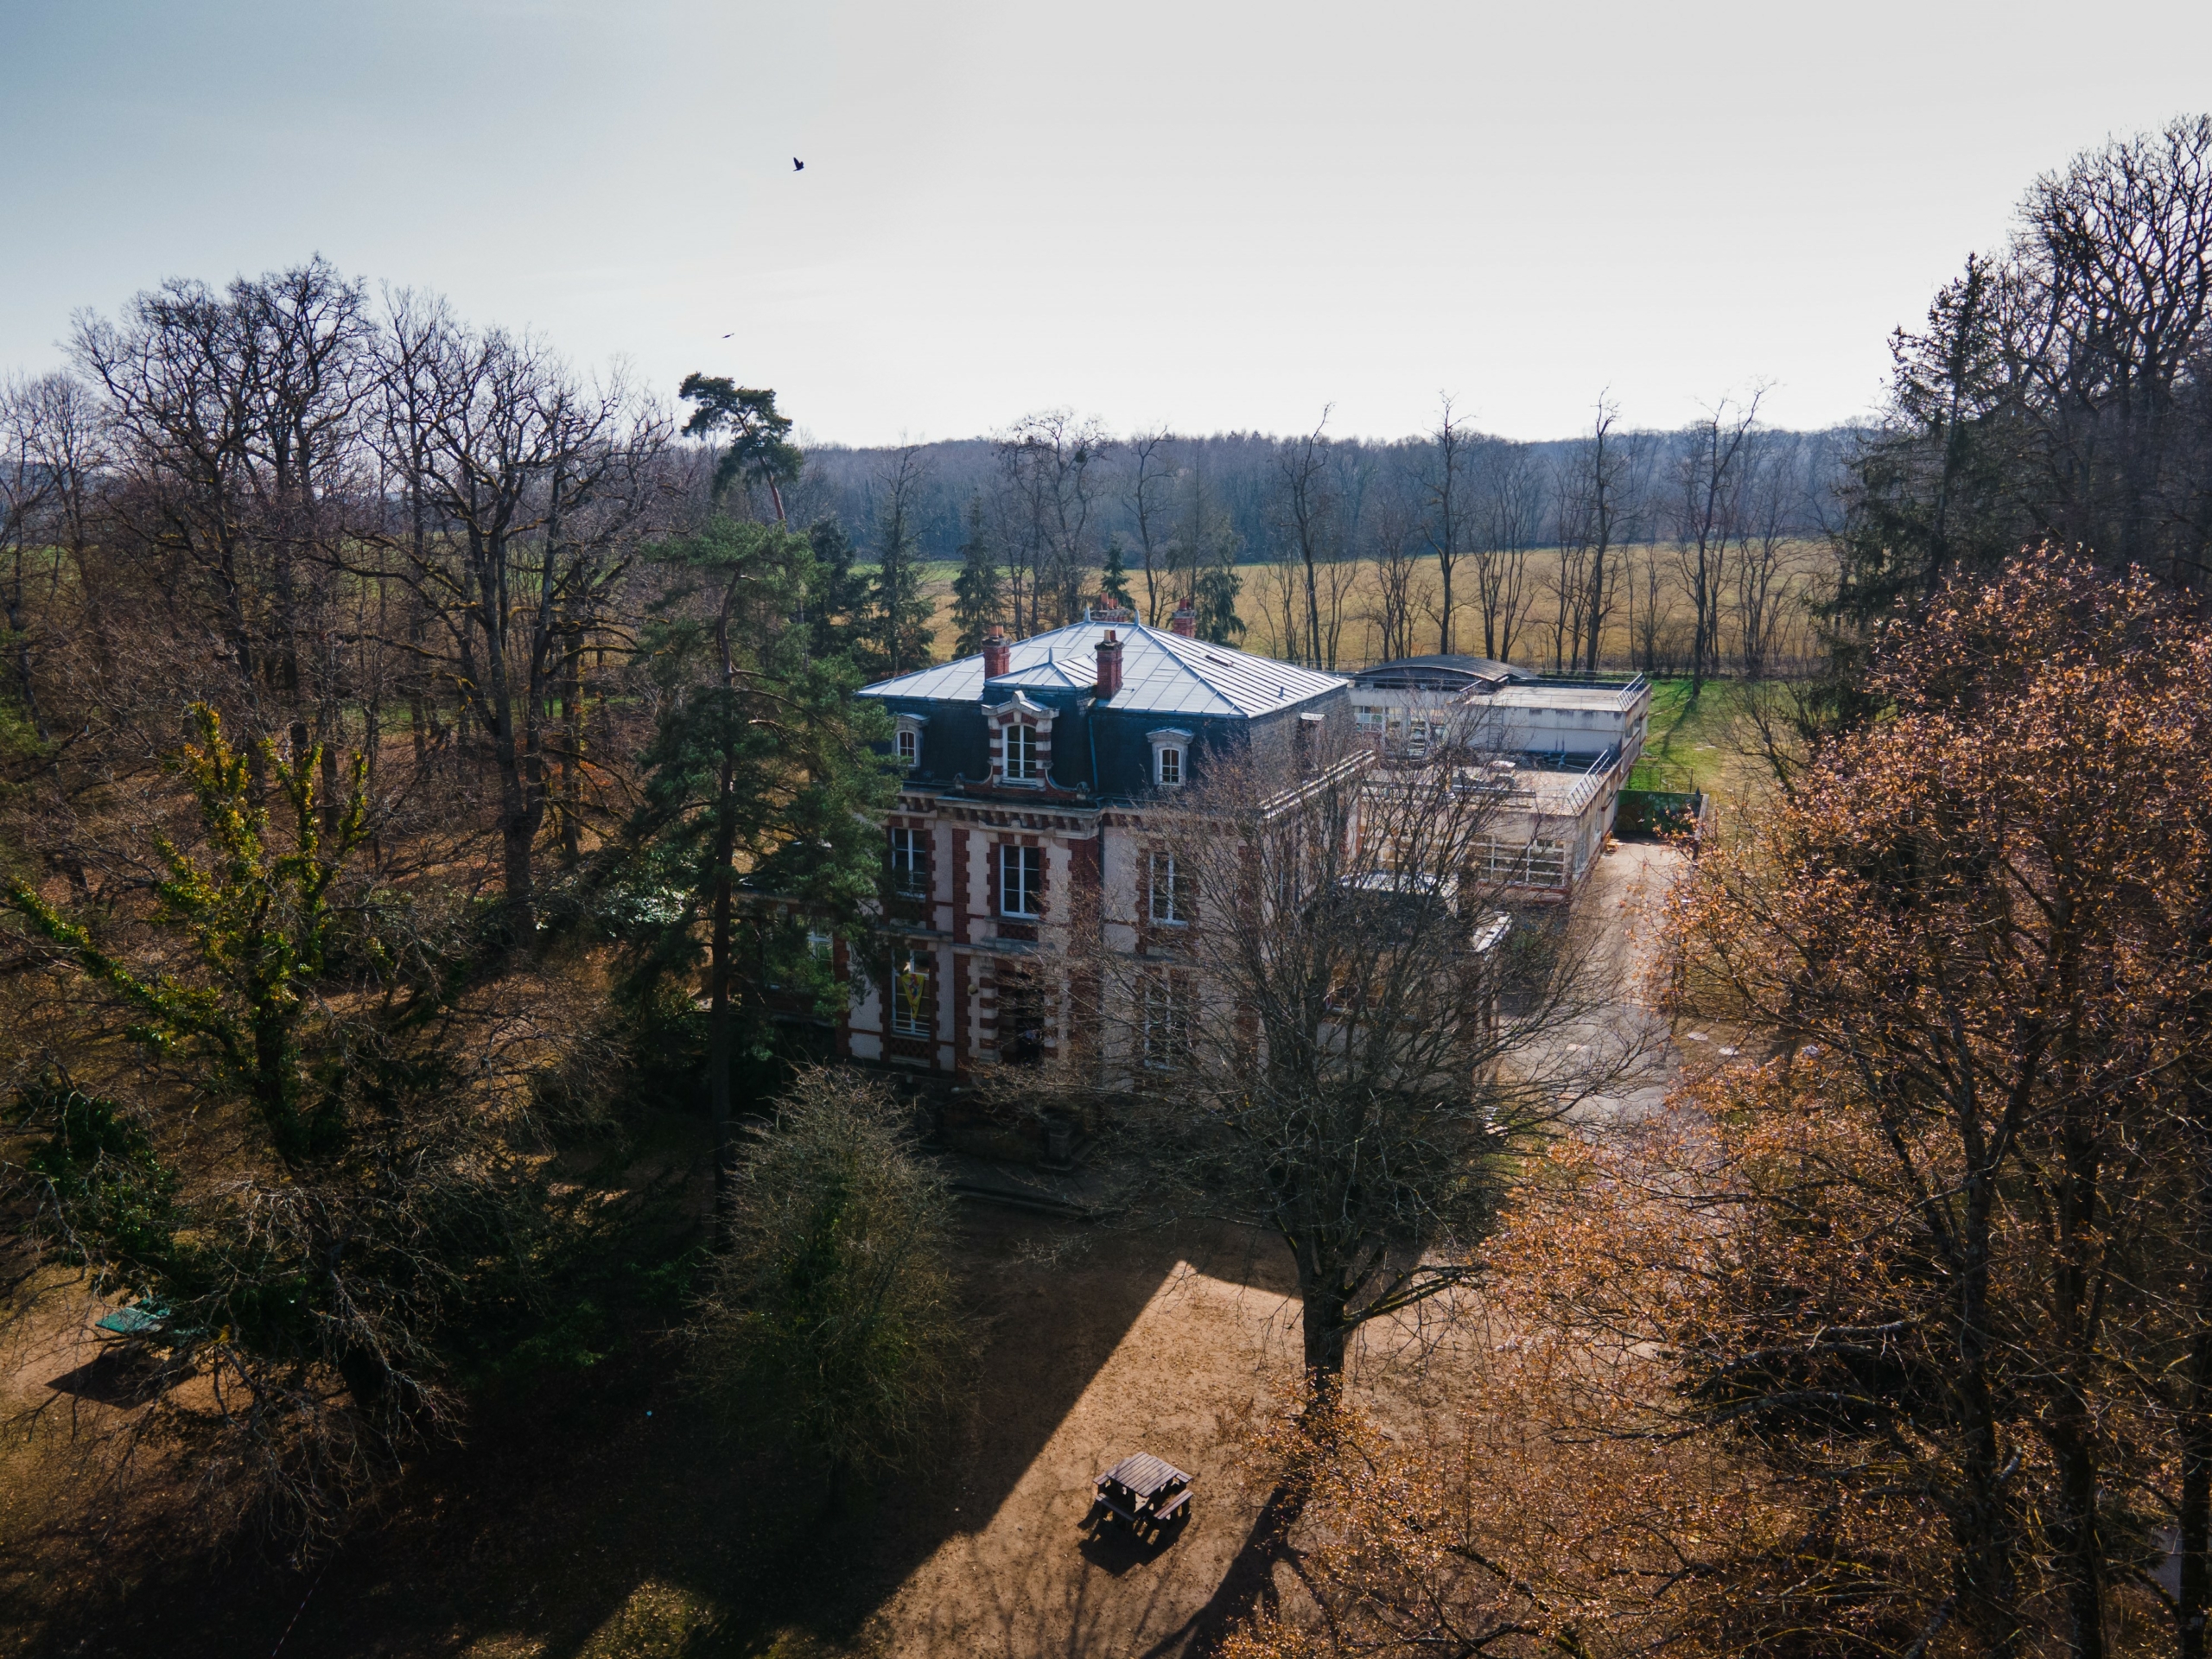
column 1213, row 216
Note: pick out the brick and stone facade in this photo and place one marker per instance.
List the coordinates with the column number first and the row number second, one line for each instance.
column 1035, row 769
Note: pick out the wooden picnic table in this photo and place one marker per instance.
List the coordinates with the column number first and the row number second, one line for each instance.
column 1144, row 1491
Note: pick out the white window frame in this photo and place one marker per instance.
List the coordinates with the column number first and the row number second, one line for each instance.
column 1170, row 739
column 910, row 876
column 1172, row 900
column 910, row 1013
column 1165, row 1026
column 1021, row 745
column 1017, row 865
column 907, row 742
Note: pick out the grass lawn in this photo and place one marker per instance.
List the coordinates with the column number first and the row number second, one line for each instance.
column 1694, row 746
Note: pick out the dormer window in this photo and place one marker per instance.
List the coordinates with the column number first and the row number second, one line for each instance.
column 908, row 743
column 1171, row 757
column 1022, row 740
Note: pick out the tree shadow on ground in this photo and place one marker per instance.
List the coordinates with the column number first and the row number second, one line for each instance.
column 1248, row 1586
column 116, row 1376
column 602, row 1513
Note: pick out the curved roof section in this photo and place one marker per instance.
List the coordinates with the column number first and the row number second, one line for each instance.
column 1161, row 673
column 1438, row 668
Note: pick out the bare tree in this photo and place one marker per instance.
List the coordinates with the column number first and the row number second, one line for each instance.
column 1761, row 566
column 1152, row 476
column 1393, row 532
column 1710, row 481
column 233, row 417
column 1320, row 1020
column 542, row 489
column 1047, row 467
column 1650, row 609
column 48, row 457
column 1451, row 447
column 1593, row 505
column 1510, row 492
column 1305, row 514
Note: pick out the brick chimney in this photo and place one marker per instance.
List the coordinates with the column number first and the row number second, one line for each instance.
column 1185, row 621
column 998, row 656
column 1109, row 665
column 1308, row 741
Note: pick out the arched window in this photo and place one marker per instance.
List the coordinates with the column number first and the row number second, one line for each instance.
column 907, row 744
column 1171, row 757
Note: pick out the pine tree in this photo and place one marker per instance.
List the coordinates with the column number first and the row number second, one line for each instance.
column 1214, row 599
column 762, row 763
column 1114, row 582
column 835, row 594
column 896, row 633
column 978, row 592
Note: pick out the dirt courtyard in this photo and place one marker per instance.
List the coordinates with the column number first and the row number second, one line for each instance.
column 1202, row 1354
column 607, row 1521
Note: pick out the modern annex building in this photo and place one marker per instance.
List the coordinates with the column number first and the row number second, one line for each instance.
column 1030, row 770
column 1561, row 746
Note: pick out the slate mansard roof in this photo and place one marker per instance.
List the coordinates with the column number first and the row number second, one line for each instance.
column 1206, row 700
column 1161, row 674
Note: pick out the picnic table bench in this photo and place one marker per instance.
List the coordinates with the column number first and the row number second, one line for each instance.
column 1144, row 1493
column 138, row 1319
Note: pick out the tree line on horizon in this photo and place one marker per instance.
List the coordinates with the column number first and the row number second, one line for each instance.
column 1623, row 548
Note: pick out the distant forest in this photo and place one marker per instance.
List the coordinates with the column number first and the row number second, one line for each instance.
column 1235, row 476
column 1659, row 550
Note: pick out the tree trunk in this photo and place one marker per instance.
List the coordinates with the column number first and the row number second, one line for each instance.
column 1327, row 1331
column 718, row 1041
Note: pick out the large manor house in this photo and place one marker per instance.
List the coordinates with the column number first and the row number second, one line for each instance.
column 1036, row 773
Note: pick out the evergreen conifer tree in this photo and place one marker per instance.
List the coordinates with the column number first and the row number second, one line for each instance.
column 1114, row 582
column 835, row 594
column 896, row 633
column 978, row 591
column 762, row 764
column 1214, row 598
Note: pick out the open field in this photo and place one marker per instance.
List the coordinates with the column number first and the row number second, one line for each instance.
column 1533, row 642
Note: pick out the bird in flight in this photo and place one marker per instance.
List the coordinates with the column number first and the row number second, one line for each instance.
column 798, row 166
column 725, row 336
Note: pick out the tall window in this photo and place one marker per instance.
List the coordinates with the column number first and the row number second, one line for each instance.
column 1171, row 766
column 1021, row 880
column 910, row 746
column 910, row 861
column 910, row 995
column 1022, row 752
column 1166, row 1021
column 1172, row 899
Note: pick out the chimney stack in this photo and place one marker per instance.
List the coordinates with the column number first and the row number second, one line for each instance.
column 1185, row 621
column 998, row 656
column 1109, row 665
column 1309, row 740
